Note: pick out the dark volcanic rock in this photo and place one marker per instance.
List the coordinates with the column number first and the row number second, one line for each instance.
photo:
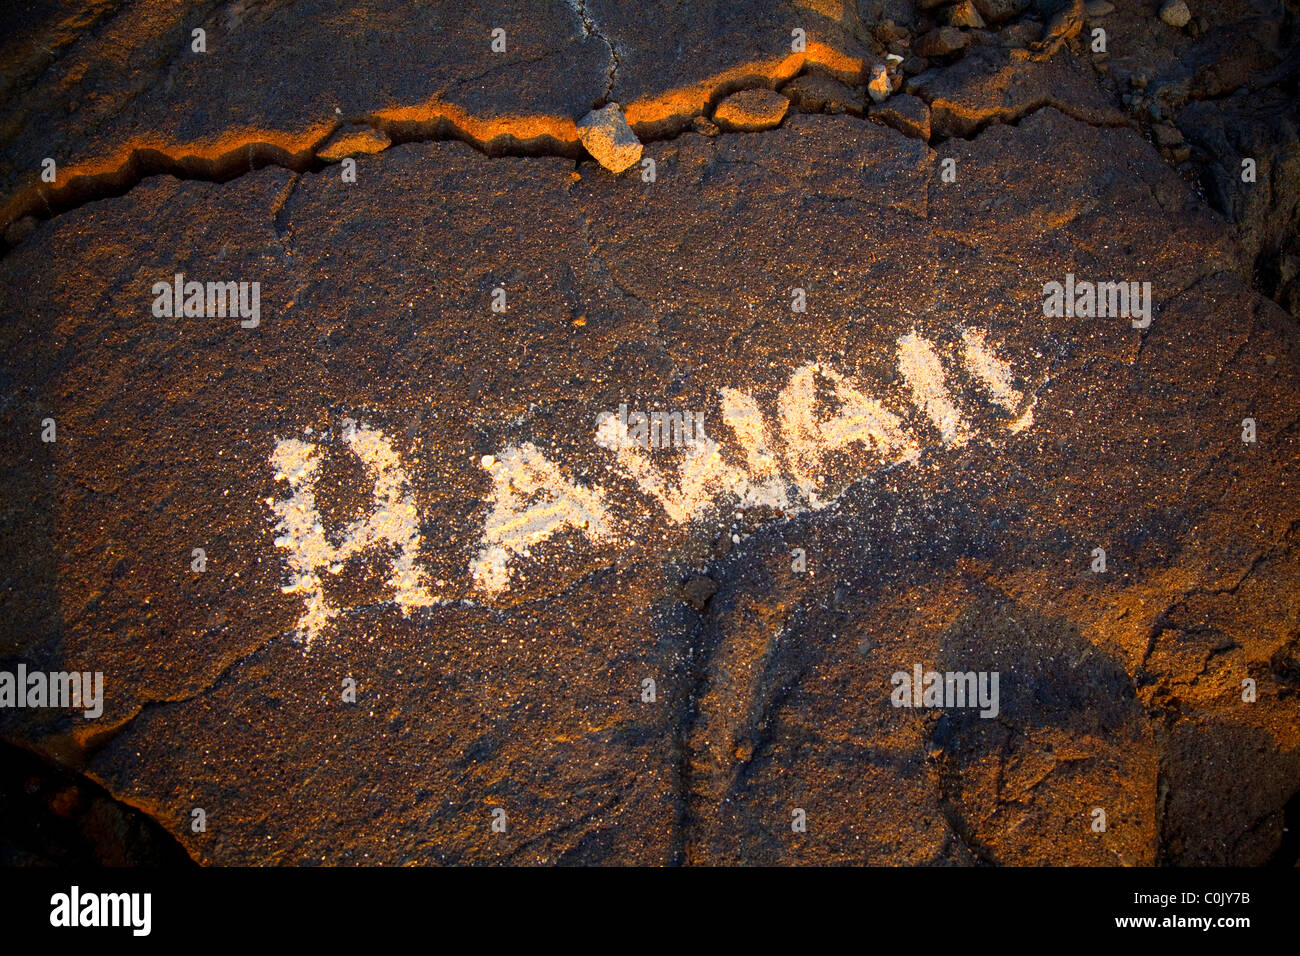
column 964, row 14
column 999, row 11
column 942, row 42
column 442, row 585
column 907, row 114
column 816, row 93
column 751, row 110
column 274, row 82
column 114, row 92
column 698, row 590
column 995, row 86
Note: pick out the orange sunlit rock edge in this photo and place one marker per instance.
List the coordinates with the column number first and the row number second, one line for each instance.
column 235, row 152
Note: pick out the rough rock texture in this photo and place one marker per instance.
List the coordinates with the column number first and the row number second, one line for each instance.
column 879, row 86
column 942, row 42
column 1175, row 13
column 964, row 14
column 474, row 293
column 1232, row 93
column 607, row 137
column 817, row 93
column 907, row 114
column 994, row 86
column 751, row 110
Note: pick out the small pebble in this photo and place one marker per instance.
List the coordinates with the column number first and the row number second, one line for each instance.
column 879, row 87
column 1176, row 14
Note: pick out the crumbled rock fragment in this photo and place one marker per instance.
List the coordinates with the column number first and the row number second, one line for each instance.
column 1098, row 8
column 915, row 66
column 611, row 142
column 879, row 86
column 356, row 142
column 894, row 67
column 705, row 126
column 1166, row 135
column 944, row 41
column 1000, row 11
column 1170, row 140
column 889, row 32
column 751, row 110
column 819, row 93
column 906, row 113
column 1062, row 25
column 697, row 591
column 964, row 14
column 1175, row 13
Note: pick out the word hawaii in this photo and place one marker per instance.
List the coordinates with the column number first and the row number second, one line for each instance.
column 825, row 426
column 76, row 689
column 213, row 300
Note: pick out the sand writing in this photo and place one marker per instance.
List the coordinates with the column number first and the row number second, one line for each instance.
column 779, row 463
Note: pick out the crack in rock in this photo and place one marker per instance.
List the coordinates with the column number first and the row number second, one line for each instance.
column 591, row 29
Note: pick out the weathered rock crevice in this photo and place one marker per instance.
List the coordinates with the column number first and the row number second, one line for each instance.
column 590, row 28
column 57, row 816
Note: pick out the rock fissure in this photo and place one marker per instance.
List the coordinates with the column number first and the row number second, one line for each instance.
column 540, row 135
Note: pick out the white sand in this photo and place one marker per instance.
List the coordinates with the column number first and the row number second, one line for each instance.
column 860, row 420
column 531, row 500
column 923, row 371
column 995, row 375
column 392, row 522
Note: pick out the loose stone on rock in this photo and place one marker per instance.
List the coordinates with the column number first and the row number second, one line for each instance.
column 697, row 591
column 944, row 41
column 879, row 86
column 354, row 143
column 751, row 110
column 965, row 15
column 704, row 125
column 1175, row 13
column 609, row 139
column 999, row 11
column 818, row 93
